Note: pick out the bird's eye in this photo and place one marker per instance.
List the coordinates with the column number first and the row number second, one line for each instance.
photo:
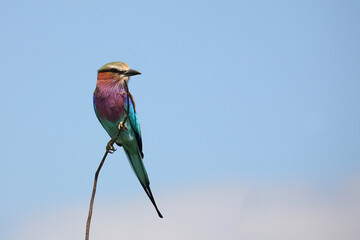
column 117, row 71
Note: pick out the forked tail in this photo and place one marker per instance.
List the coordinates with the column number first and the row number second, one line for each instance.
column 139, row 169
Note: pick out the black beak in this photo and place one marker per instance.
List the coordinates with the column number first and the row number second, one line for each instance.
column 131, row 72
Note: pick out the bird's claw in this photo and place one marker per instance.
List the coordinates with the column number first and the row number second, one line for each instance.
column 110, row 147
column 122, row 126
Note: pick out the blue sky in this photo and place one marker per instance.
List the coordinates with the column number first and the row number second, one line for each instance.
column 232, row 92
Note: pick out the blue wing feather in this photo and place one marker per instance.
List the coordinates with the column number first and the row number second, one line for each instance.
column 134, row 121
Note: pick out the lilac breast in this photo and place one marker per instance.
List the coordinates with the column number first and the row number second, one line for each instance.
column 109, row 102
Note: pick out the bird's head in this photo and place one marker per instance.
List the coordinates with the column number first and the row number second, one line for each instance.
column 116, row 71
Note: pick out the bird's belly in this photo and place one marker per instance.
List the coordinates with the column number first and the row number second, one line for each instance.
column 125, row 138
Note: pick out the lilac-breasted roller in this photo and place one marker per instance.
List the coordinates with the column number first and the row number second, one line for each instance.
column 111, row 107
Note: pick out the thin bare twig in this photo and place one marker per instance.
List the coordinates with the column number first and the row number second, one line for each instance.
column 109, row 149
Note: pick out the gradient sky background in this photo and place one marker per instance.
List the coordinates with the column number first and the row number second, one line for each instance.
column 250, row 106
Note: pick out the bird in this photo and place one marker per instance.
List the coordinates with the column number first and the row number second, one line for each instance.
column 112, row 102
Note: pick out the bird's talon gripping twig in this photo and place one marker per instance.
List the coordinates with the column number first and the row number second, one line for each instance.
column 122, row 126
column 110, row 147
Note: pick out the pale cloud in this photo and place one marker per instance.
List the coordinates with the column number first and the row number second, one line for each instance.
column 247, row 212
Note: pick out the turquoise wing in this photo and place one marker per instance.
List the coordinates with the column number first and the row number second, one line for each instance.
column 134, row 122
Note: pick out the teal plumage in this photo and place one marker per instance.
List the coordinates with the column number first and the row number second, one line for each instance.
column 111, row 106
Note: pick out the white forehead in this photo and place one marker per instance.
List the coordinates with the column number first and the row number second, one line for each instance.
column 117, row 65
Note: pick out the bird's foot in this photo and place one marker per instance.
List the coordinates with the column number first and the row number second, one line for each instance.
column 122, row 126
column 110, row 147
